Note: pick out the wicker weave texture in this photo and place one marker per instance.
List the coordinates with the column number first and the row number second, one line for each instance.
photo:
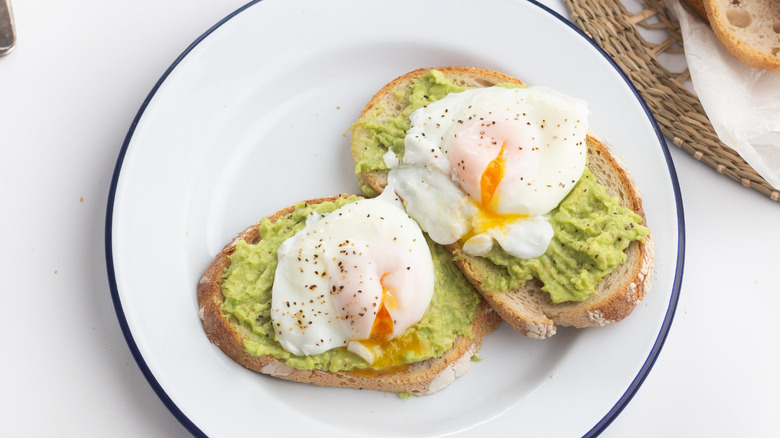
column 678, row 112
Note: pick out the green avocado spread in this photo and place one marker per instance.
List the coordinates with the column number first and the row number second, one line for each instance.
column 248, row 281
column 592, row 230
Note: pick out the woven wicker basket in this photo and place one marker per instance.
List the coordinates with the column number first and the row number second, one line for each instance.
column 678, row 111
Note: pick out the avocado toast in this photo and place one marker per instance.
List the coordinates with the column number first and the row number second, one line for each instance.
column 522, row 291
column 236, row 319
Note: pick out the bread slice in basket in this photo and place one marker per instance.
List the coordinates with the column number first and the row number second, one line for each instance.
column 748, row 29
column 420, row 378
column 528, row 309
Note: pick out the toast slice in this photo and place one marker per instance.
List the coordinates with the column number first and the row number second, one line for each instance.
column 748, row 29
column 421, row 378
column 529, row 309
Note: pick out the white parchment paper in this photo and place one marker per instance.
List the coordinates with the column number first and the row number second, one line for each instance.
column 742, row 103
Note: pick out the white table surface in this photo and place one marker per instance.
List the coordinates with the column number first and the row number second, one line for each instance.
column 68, row 92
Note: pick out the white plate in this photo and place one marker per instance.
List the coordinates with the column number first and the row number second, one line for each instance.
column 251, row 118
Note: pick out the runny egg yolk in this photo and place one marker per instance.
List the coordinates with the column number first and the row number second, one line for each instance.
column 486, row 216
column 389, row 352
column 383, row 324
column 491, row 178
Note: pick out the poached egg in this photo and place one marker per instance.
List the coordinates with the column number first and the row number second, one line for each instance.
column 487, row 166
column 357, row 277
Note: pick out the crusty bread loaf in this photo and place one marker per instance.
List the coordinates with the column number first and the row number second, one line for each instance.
column 529, row 309
column 420, row 378
column 748, row 29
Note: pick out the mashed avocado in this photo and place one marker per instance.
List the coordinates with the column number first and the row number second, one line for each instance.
column 389, row 133
column 247, row 288
column 591, row 229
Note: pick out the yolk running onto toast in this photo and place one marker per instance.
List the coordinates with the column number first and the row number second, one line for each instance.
column 486, row 217
column 390, row 351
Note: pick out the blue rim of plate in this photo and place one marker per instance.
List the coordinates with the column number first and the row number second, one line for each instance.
column 599, row 427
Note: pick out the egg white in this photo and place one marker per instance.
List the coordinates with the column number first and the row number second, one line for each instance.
column 334, row 276
column 537, row 135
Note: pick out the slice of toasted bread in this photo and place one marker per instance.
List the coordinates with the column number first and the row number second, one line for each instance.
column 529, row 309
column 748, row 29
column 419, row 378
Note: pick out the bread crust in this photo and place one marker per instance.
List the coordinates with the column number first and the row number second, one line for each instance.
column 528, row 309
column 420, row 378
column 748, row 29
column 698, row 7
